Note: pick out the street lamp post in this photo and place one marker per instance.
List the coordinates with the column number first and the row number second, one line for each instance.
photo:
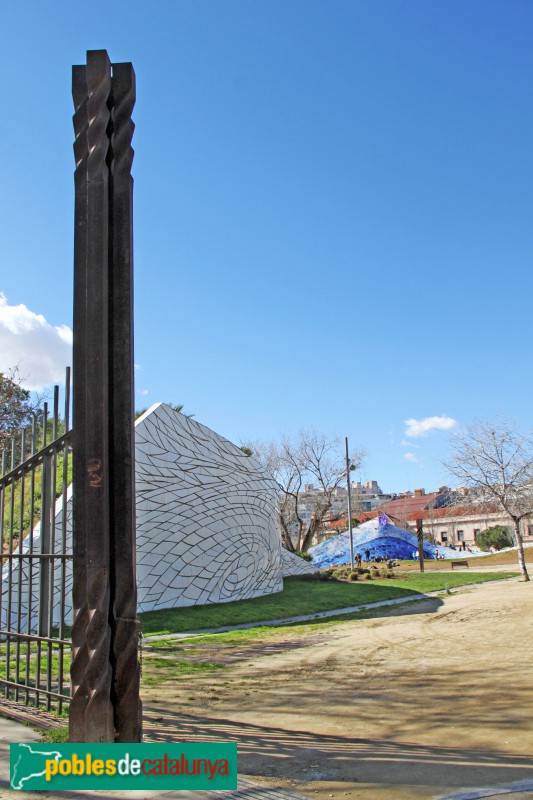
column 349, row 492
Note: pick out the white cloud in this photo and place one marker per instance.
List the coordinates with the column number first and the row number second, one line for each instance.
column 41, row 350
column 403, row 443
column 411, row 457
column 421, row 427
column 143, row 392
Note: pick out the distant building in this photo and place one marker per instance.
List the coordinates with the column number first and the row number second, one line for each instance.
column 406, row 509
column 365, row 498
column 446, row 516
column 458, row 525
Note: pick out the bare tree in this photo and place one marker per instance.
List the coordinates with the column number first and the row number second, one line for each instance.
column 295, row 462
column 497, row 460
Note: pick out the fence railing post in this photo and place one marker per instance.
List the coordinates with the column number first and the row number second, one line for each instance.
column 34, row 564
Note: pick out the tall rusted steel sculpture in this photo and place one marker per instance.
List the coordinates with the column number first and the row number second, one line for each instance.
column 105, row 668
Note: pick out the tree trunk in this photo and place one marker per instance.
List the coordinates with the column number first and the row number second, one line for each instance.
column 307, row 538
column 285, row 536
column 520, row 548
column 302, row 536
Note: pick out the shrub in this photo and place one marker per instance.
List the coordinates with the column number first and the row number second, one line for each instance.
column 303, row 554
column 498, row 536
column 353, row 576
column 368, row 576
column 329, row 574
column 386, row 573
column 341, row 571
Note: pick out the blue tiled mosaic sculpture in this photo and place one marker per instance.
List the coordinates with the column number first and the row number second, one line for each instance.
column 380, row 539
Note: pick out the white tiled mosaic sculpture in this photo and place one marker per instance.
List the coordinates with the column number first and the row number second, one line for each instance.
column 206, row 521
column 206, row 516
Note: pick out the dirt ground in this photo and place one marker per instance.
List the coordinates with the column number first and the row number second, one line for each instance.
column 415, row 703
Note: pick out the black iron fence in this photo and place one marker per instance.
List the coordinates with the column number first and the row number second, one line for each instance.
column 35, row 644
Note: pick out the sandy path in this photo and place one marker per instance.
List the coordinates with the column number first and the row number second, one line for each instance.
column 416, row 703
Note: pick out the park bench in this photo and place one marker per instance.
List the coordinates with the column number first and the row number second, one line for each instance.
column 459, row 564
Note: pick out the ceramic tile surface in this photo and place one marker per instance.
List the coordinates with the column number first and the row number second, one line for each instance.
column 377, row 538
column 206, row 523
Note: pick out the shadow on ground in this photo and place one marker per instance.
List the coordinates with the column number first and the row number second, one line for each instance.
column 196, row 650
column 263, row 749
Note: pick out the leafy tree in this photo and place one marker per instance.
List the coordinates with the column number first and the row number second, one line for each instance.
column 16, row 406
column 496, row 459
column 498, row 537
column 21, row 433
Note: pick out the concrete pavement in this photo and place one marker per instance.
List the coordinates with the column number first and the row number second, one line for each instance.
column 12, row 731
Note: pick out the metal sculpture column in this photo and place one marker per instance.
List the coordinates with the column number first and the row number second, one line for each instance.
column 123, row 562
column 105, row 667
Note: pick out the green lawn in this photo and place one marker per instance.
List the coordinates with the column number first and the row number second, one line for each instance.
column 37, row 655
column 301, row 597
column 31, row 512
column 160, row 670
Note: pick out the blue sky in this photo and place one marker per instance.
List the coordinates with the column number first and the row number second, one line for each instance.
column 333, row 212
